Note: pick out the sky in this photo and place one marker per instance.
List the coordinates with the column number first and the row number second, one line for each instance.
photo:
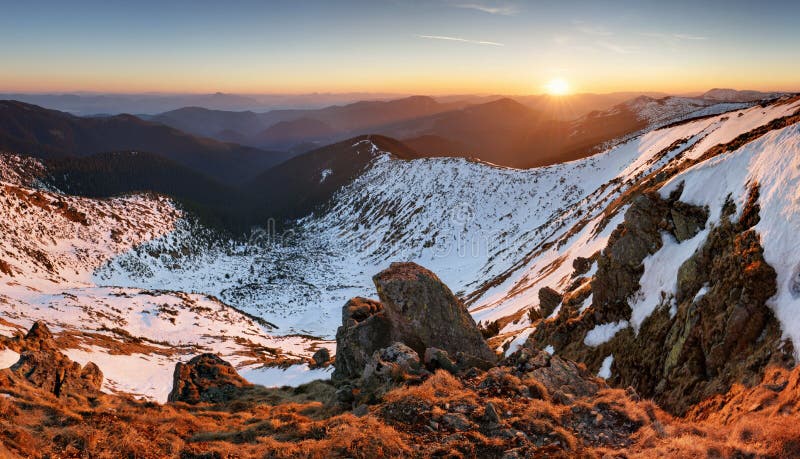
column 412, row 46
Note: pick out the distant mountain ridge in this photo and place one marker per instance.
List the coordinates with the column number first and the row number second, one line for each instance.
column 734, row 95
column 44, row 133
column 522, row 131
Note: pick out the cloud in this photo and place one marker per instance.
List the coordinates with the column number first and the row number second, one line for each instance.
column 592, row 29
column 459, row 39
column 673, row 37
column 504, row 10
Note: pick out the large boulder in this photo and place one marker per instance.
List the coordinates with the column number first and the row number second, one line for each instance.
column 205, row 378
column 427, row 313
column 365, row 329
column 44, row 366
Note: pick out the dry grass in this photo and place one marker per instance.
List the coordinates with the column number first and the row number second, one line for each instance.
column 410, row 422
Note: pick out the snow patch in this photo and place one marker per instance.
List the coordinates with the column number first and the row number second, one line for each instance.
column 325, row 174
column 8, row 358
column 603, row 333
column 605, row 367
column 293, row 376
column 659, row 281
column 519, row 340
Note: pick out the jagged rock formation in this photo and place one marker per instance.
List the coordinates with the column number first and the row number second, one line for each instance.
column 417, row 310
column 683, row 350
column 205, row 378
column 43, row 365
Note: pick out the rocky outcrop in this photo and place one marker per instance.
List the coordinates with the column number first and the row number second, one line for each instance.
column 427, row 313
column 382, row 344
column 205, row 378
column 416, row 309
column 563, row 379
column 722, row 293
column 44, row 366
column 682, row 351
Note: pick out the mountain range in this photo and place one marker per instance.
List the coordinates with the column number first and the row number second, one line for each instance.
column 588, row 301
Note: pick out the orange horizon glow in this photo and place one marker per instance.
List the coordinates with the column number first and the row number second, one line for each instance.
column 421, row 86
column 427, row 47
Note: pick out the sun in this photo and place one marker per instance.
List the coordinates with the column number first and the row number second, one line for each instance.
column 557, row 87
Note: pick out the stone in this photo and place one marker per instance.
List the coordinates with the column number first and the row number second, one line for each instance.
column 365, row 329
column 322, row 357
column 581, row 265
column 416, row 309
column 549, row 300
column 44, row 366
column 566, row 377
column 491, row 414
column 361, row 411
column 205, row 378
column 456, row 421
column 387, row 369
column 438, row 358
column 427, row 313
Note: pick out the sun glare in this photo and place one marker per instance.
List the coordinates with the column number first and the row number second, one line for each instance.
column 557, row 87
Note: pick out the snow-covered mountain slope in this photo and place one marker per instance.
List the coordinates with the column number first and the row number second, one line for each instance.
column 50, row 246
column 495, row 235
column 773, row 163
column 133, row 286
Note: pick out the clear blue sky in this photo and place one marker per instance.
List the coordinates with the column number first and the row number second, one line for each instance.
column 431, row 46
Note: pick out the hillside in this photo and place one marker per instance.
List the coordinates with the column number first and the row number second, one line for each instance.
column 28, row 129
column 52, row 244
column 284, row 128
column 611, row 291
column 486, row 230
column 507, row 133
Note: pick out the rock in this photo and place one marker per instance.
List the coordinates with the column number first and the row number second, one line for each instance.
column 92, row 376
column 581, row 265
column 321, row 357
column 687, row 220
column 39, row 337
column 361, row 411
column 360, row 309
column 417, row 310
column 549, row 300
column 365, row 329
column 566, row 377
column 44, row 366
column 456, row 421
column 491, row 414
column 388, row 368
column 205, row 378
column 427, row 314
column 438, row 358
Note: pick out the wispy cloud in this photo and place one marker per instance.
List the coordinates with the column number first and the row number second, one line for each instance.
column 504, row 10
column 460, row 40
column 592, row 29
column 674, row 36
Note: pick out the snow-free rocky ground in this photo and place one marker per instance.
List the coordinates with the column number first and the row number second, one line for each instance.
column 494, row 235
